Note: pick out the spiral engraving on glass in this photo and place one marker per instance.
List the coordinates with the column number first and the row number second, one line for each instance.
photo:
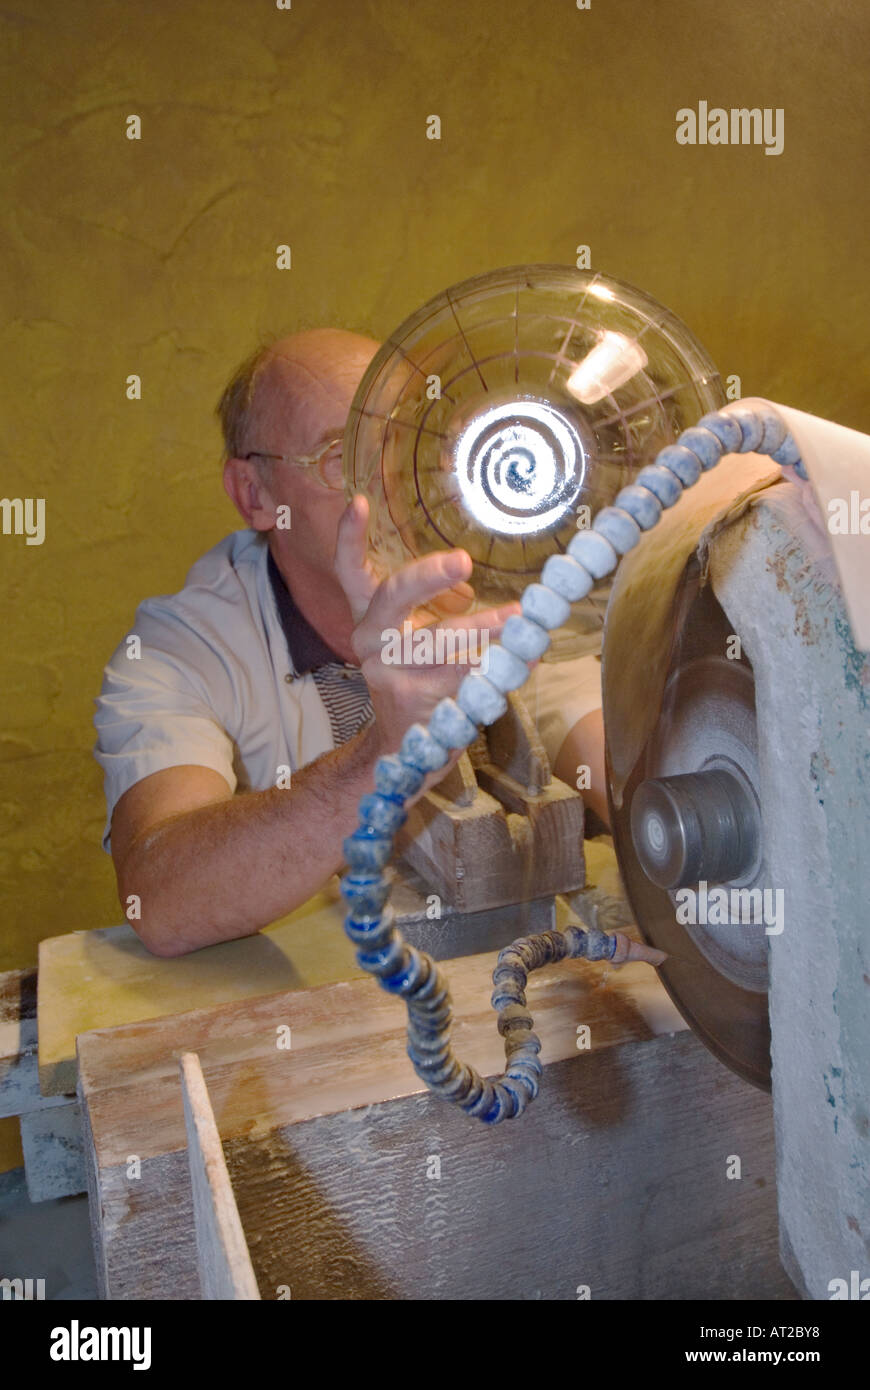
column 519, row 466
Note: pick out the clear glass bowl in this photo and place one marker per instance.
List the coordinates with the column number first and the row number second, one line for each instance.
column 507, row 406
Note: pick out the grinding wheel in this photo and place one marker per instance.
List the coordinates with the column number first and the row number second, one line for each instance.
column 689, row 812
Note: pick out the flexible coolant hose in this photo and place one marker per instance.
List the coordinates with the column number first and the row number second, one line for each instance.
column 480, row 700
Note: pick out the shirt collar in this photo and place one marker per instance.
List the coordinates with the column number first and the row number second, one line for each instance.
column 307, row 649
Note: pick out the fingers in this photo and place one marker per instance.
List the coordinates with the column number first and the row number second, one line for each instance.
column 352, row 567
column 416, row 584
column 456, row 600
column 470, row 632
column 451, row 638
column 491, row 620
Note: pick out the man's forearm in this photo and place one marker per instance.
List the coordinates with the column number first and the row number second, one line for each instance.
column 227, row 869
column 583, row 749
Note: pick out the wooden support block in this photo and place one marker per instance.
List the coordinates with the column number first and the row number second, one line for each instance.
column 514, row 745
column 612, row 1182
column 506, row 847
column 513, row 834
column 225, row 1269
column 51, row 1142
column 17, row 997
column 53, row 1146
column 460, row 784
column 613, row 1185
column 19, row 1080
column 347, row 1054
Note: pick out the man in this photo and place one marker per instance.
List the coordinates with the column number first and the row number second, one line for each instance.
column 268, row 663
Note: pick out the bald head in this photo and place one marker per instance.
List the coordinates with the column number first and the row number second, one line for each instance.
column 295, row 391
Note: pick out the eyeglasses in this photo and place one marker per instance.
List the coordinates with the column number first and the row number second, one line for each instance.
column 327, row 462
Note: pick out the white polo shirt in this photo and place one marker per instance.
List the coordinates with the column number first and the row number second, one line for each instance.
column 212, row 682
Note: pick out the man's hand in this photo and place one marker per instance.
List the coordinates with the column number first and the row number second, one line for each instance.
column 208, row 866
column 416, row 593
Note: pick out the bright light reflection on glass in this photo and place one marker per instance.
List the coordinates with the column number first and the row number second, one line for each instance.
column 613, row 361
column 519, row 467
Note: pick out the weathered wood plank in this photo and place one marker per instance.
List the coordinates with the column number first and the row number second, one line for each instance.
column 104, row 978
column 347, row 1049
column 506, row 846
column 100, row 978
column 53, row 1147
column 225, row 1270
column 96, row 1182
column 499, row 829
column 19, row 1081
column 17, row 995
column 347, row 1052
column 615, row 1179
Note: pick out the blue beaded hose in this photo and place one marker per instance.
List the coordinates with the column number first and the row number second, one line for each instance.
column 480, row 700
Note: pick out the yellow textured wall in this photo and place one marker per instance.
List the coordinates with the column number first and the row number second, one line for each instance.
column 306, row 126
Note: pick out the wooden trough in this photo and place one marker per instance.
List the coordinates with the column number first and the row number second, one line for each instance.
column 334, row 1177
